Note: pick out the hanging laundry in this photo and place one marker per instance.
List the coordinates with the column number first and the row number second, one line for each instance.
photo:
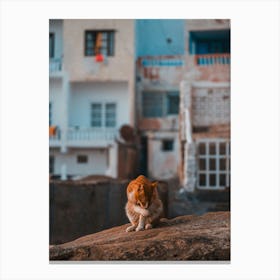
column 52, row 130
column 98, row 43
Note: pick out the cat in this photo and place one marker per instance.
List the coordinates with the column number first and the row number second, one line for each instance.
column 143, row 208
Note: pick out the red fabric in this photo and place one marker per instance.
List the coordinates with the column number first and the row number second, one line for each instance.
column 99, row 58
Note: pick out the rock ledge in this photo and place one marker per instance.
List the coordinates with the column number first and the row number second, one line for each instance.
column 204, row 237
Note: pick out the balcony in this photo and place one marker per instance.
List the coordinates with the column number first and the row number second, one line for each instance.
column 212, row 59
column 54, row 136
column 160, row 69
column 83, row 137
column 212, row 67
column 55, row 66
column 90, row 137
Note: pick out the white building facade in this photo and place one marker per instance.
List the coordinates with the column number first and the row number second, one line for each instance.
column 91, row 94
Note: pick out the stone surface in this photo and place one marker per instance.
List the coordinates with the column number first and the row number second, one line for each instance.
column 204, row 237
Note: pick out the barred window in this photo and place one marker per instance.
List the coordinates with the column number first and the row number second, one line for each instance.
column 213, row 164
column 82, row 159
column 99, row 42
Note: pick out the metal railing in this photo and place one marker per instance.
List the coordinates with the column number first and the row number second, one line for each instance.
column 212, row 59
column 90, row 134
column 55, row 65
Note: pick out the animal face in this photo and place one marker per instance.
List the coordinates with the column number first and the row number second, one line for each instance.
column 141, row 192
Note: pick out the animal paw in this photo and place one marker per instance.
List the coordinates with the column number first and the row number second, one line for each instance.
column 148, row 226
column 130, row 228
column 139, row 228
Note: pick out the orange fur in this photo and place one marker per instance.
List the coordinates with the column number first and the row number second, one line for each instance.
column 143, row 208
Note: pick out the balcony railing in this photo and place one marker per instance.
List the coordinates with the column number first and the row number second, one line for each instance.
column 87, row 137
column 212, row 59
column 55, row 65
column 90, row 134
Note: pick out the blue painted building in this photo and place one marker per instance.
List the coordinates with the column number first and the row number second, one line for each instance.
column 156, row 37
column 160, row 49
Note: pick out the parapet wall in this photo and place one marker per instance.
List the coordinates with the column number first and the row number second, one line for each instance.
column 78, row 208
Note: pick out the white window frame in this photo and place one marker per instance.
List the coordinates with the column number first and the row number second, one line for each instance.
column 103, row 114
column 217, row 156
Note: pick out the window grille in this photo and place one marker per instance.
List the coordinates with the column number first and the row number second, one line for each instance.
column 213, row 164
column 99, row 42
column 82, row 159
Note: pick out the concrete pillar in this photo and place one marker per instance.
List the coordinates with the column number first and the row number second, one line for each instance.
column 112, row 170
column 64, row 109
column 189, row 147
column 63, row 172
column 190, row 167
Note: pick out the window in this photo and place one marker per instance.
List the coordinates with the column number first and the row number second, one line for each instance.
column 173, row 103
column 99, row 42
column 103, row 115
column 209, row 42
column 50, row 114
column 167, row 145
column 213, row 164
column 110, row 116
column 96, row 115
column 160, row 104
column 51, row 45
column 51, row 164
column 152, row 104
column 82, row 159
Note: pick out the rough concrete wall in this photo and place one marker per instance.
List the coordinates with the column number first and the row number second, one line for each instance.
column 78, row 208
column 81, row 67
column 207, row 24
column 190, row 167
column 160, row 71
column 163, row 164
column 210, row 106
column 169, row 123
column 214, row 73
